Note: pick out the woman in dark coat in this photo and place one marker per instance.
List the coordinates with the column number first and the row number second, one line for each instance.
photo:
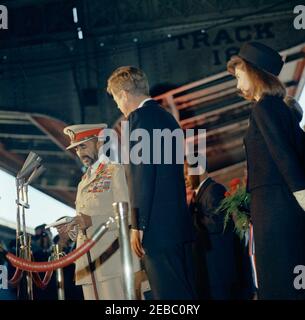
column 276, row 177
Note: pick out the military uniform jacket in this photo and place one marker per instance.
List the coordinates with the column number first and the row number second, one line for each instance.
column 95, row 196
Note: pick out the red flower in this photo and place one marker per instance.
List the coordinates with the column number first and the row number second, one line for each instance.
column 227, row 194
column 234, row 183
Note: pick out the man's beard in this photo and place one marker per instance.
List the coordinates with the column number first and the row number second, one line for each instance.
column 90, row 161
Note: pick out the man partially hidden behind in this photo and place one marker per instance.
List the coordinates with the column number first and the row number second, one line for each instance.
column 161, row 223
column 220, row 259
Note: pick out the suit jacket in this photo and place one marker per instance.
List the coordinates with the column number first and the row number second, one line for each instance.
column 157, row 191
column 95, row 195
column 275, row 146
column 206, row 202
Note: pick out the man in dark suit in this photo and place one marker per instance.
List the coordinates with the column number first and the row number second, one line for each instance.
column 161, row 223
column 221, row 262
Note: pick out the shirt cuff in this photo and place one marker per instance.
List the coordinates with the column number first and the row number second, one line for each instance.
column 300, row 197
column 134, row 218
column 136, row 222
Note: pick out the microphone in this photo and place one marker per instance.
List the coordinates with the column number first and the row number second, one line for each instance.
column 31, row 162
column 35, row 174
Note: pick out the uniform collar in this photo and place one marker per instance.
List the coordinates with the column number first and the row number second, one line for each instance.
column 102, row 159
column 94, row 166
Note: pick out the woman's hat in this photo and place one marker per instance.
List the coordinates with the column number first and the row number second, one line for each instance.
column 262, row 57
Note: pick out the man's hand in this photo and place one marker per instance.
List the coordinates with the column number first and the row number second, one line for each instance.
column 63, row 230
column 83, row 221
column 136, row 242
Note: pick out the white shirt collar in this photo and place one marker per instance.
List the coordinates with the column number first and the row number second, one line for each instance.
column 200, row 185
column 142, row 103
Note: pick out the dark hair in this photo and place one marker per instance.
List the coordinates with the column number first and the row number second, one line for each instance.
column 41, row 226
column 195, row 165
column 295, row 106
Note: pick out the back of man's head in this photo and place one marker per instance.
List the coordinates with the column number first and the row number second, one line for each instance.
column 130, row 79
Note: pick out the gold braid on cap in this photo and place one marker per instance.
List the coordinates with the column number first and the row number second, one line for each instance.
column 71, row 134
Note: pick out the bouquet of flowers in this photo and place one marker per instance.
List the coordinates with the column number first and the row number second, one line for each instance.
column 236, row 206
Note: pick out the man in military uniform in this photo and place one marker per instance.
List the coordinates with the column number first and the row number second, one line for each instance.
column 103, row 184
